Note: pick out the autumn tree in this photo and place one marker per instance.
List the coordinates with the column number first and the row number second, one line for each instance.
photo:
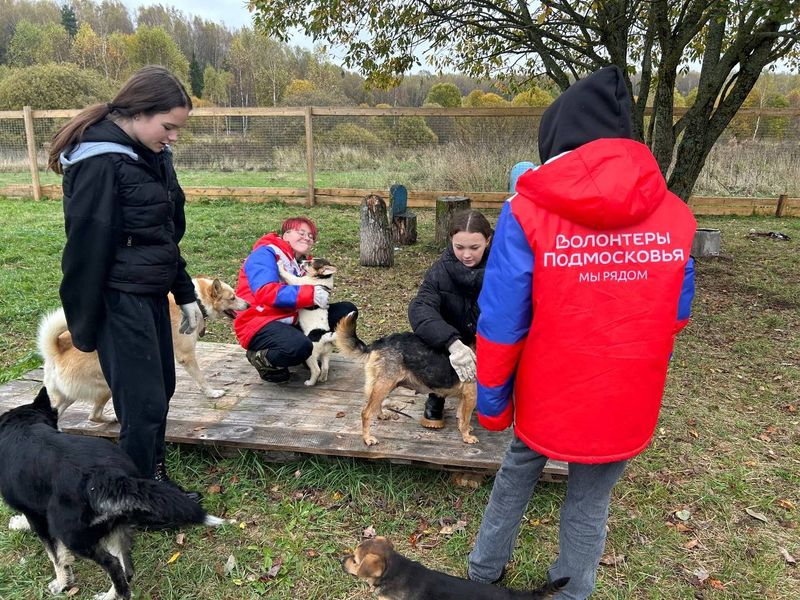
column 732, row 40
column 444, row 94
column 153, row 46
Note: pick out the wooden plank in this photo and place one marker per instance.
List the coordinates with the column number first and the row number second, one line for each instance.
column 212, row 192
column 247, row 111
column 293, row 418
column 11, row 114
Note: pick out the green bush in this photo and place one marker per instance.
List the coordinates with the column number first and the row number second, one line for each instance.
column 444, row 94
column 53, row 86
column 349, row 134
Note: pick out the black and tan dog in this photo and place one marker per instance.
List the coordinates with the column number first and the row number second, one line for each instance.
column 403, row 359
column 399, row 578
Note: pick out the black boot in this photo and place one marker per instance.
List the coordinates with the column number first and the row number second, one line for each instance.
column 267, row 371
column 161, row 475
column 434, row 412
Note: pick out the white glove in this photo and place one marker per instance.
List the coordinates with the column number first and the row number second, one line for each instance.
column 321, row 296
column 463, row 360
column 191, row 317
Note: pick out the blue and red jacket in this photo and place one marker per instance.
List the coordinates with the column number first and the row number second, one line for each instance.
column 588, row 282
column 260, row 284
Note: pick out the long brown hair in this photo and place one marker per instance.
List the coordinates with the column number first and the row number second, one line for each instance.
column 152, row 89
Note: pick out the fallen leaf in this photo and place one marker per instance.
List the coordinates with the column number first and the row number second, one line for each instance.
column 682, row 528
column 694, row 433
column 683, row 515
column 173, row 558
column 276, row 566
column 234, row 479
column 369, row 532
column 716, row 584
column 72, row 591
column 701, row 575
column 230, row 565
column 180, row 539
column 298, row 474
column 451, row 529
column 214, row 488
column 311, row 553
column 340, row 414
column 691, row 544
column 756, row 515
column 612, row 560
column 786, row 556
column 787, row 504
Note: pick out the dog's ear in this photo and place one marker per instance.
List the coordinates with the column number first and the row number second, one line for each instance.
column 327, row 270
column 216, row 287
column 42, row 401
column 372, row 566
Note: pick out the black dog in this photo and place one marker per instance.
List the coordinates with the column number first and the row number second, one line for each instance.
column 399, row 578
column 82, row 495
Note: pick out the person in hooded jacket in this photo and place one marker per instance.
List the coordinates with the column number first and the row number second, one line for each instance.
column 268, row 328
column 124, row 218
column 588, row 283
column 444, row 312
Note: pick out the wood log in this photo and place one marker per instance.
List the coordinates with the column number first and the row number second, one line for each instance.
column 376, row 248
column 445, row 207
column 404, row 229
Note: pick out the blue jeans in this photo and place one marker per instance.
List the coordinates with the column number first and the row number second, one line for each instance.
column 582, row 532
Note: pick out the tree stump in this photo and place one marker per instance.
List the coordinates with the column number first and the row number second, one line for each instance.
column 375, row 249
column 445, row 207
column 706, row 242
column 404, row 222
column 404, row 229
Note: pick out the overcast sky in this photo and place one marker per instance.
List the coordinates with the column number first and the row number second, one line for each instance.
column 232, row 13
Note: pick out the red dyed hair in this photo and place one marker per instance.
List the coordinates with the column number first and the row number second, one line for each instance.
column 295, row 222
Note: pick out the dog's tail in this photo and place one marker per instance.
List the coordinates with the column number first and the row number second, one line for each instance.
column 52, row 325
column 143, row 502
column 546, row 591
column 346, row 339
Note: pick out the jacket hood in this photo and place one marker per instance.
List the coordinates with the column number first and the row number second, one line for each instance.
column 595, row 107
column 605, row 184
column 101, row 138
column 273, row 239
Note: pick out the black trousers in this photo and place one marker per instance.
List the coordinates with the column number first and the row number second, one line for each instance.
column 134, row 343
column 286, row 344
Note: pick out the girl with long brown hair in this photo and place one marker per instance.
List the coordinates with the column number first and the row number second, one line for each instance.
column 124, row 217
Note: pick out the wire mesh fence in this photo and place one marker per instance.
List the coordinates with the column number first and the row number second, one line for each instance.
column 466, row 150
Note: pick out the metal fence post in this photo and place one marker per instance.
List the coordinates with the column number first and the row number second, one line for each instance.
column 27, row 114
column 310, row 157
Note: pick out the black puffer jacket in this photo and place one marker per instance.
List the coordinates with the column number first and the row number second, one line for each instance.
column 124, row 217
column 446, row 306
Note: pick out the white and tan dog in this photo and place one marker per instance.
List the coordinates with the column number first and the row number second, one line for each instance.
column 71, row 375
column 314, row 321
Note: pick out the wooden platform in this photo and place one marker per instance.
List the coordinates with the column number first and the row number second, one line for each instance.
column 292, row 418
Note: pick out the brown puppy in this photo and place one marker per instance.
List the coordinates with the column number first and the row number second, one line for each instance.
column 70, row 374
column 399, row 578
column 403, row 359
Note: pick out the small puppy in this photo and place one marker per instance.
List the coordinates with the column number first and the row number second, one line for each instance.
column 403, row 359
column 399, row 578
column 70, row 374
column 314, row 321
column 82, row 496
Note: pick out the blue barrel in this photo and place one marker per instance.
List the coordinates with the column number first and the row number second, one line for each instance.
column 517, row 170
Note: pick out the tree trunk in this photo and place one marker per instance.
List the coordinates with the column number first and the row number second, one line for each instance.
column 375, row 249
column 404, row 229
column 445, row 207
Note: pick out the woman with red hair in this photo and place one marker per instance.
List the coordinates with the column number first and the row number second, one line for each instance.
column 268, row 329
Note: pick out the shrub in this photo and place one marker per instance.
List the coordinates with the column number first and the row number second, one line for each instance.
column 349, row 134
column 53, row 86
column 444, row 94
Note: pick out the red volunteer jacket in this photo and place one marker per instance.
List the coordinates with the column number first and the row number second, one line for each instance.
column 587, row 284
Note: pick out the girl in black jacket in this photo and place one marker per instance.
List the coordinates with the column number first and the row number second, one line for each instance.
column 445, row 311
column 124, row 217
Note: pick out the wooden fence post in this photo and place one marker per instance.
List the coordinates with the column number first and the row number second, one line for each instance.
column 310, row 156
column 781, row 203
column 445, row 207
column 27, row 113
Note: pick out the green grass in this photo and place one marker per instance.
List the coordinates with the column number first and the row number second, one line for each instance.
column 728, row 440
